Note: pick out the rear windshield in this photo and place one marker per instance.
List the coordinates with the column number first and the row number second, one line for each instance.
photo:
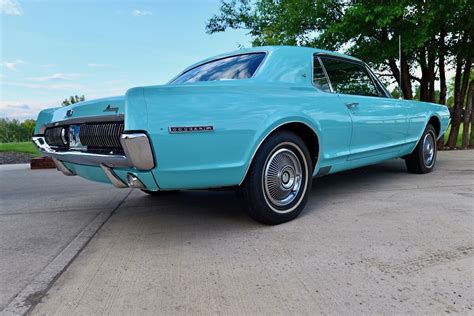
column 229, row 68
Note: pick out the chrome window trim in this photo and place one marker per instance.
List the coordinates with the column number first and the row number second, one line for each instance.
column 325, row 74
column 85, row 119
column 377, row 82
column 315, row 55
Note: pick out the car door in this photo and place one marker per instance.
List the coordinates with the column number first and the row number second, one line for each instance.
column 379, row 122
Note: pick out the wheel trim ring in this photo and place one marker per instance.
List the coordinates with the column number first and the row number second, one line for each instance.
column 303, row 184
column 429, row 150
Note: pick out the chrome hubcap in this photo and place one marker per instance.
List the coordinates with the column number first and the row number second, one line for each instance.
column 428, row 150
column 282, row 177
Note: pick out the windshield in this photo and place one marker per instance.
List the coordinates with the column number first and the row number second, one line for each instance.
column 228, row 68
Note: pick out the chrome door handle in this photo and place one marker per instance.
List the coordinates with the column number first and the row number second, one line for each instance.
column 351, row 105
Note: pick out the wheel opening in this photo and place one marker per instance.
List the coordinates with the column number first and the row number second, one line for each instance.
column 307, row 135
column 434, row 121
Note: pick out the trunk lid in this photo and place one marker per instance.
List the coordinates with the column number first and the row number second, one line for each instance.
column 99, row 107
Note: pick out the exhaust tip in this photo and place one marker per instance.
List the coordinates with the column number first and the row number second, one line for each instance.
column 134, row 182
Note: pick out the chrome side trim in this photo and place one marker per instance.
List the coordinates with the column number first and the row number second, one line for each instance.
column 268, row 134
column 138, row 149
column 113, row 178
column 85, row 119
column 61, row 167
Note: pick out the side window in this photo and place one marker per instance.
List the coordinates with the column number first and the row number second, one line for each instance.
column 319, row 77
column 383, row 92
column 349, row 78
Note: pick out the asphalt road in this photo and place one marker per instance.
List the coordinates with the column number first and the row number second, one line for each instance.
column 371, row 240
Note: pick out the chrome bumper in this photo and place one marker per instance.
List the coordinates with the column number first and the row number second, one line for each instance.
column 137, row 148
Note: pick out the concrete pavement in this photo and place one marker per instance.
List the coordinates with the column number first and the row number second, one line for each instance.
column 372, row 240
column 45, row 219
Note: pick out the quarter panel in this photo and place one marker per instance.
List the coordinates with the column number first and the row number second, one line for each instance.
column 242, row 115
column 419, row 113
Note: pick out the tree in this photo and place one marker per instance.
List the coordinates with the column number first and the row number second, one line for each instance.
column 14, row 131
column 435, row 34
column 73, row 99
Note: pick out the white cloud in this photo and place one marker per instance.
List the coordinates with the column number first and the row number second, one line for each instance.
column 20, row 110
column 12, row 64
column 10, row 7
column 56, row 77
column 137, row 12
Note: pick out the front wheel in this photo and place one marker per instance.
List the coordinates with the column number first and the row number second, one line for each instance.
column 278, row 183
column 423, row 158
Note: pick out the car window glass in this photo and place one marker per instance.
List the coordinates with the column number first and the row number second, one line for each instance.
column 349, row 78
column 319, row 77
column 380, row 87
column 234, row 67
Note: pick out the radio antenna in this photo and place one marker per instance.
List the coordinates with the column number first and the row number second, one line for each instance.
column 400, row 61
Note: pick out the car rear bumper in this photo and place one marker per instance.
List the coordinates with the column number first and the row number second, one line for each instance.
column 137, row 149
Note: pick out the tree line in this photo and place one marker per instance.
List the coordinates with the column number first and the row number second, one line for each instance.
column 436, row 36
column 14, row 131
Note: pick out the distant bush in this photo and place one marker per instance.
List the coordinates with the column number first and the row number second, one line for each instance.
column 14, row 131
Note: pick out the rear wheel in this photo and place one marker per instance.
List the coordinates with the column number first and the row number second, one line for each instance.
column 278, row 183
column 423, row 158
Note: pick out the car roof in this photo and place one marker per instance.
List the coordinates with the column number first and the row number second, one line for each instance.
column 282, row 51
column 290, row 50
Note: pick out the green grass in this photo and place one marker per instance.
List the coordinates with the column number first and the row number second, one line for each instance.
column 24, row 147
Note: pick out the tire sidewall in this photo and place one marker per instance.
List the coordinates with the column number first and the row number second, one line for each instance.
column 294, row 143
column 429, row 130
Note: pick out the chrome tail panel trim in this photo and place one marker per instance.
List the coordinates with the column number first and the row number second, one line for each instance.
column 81, row 157
column 61, row 167
column 136, row 146
column 138, row 149
column 113, row 178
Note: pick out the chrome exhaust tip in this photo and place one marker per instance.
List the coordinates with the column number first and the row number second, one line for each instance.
column 134, row 182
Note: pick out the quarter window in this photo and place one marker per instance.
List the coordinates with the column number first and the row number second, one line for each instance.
column 349, row 78
column 319, row 77
column 233, row 67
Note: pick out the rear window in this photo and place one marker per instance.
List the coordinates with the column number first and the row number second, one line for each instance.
column 229, row 68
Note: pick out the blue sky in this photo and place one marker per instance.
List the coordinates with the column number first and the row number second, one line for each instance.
column 53, row 49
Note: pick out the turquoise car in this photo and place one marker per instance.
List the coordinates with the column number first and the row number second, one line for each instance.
column 263, row 121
